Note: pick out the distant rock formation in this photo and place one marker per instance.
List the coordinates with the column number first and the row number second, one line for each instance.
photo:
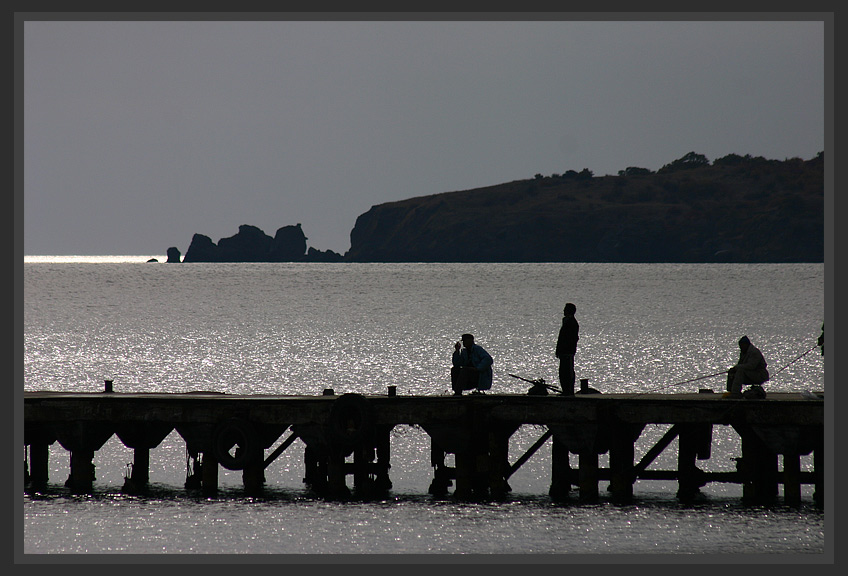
column 735, row 209
column 173, row 254
column 251, row 244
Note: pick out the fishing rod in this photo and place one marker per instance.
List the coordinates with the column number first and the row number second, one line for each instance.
column 797, row 358
column 688, row 381
column 728, row 370
column 538, row 382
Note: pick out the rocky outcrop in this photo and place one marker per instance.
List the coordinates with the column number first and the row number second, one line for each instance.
column 173, row 255
column 288, row 245
column 313, row 255
column 251, row 244
column 201, row 249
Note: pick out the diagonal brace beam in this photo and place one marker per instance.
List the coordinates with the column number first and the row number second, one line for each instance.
column 651, row 454
column 280, row 449
column 526, row 456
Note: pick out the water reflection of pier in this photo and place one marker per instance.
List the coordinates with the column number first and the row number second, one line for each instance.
column 350, row 435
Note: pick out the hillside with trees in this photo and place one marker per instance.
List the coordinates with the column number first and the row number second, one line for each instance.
column 733, row 209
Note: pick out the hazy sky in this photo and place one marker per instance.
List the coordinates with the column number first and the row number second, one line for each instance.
column 139, row 134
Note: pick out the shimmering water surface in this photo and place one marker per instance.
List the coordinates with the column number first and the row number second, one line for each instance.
column 300, row 328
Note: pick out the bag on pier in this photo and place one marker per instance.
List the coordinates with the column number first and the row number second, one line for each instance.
column 755, row 392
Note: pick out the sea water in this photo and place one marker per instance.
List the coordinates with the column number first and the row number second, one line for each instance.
column 296, row 328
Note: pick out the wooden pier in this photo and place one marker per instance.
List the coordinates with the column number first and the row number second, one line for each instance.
column 349, row 435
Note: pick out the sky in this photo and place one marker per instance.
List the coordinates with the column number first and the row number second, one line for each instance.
column 139, row 134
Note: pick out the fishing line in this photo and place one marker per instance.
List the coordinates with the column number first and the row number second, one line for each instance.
column 796, row 359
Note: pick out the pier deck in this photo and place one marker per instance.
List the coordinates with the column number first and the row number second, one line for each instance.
column 235, row 431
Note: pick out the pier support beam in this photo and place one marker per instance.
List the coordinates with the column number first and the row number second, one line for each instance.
column 382, row 482
column 141, row 437
column 82, row 439
column 315, row 469
column 792, row 479
column 139, row 478
column 758, row 466
column 621, row 455
column 497, row 460
column 442, row 475
column 81, row 478
column 336, row 485
column 687, row 482
column 587, row 440
column 560, row 472
column 588, row 475
column 37, row 440
column 363, row 456
column 466, row 468
column 694, row 442
column 209, row 474
column 39, row 455
column 818, row 474
column 253, row 474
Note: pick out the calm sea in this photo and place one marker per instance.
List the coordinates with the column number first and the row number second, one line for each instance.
column 301, row 328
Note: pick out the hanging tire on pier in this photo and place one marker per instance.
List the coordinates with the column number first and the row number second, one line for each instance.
column 235, row 443
column 351, row 421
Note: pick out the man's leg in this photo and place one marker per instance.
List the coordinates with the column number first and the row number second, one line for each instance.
column 738, row 382
column 566, row 374
column 456, row 384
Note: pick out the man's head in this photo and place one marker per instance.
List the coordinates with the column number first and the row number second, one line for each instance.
column 569, row 309
column 744, row 343
column 468, row 340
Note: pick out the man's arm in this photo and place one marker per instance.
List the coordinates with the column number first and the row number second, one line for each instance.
column 457, row 358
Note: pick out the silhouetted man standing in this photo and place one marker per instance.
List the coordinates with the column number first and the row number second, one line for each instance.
column 566, row 348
